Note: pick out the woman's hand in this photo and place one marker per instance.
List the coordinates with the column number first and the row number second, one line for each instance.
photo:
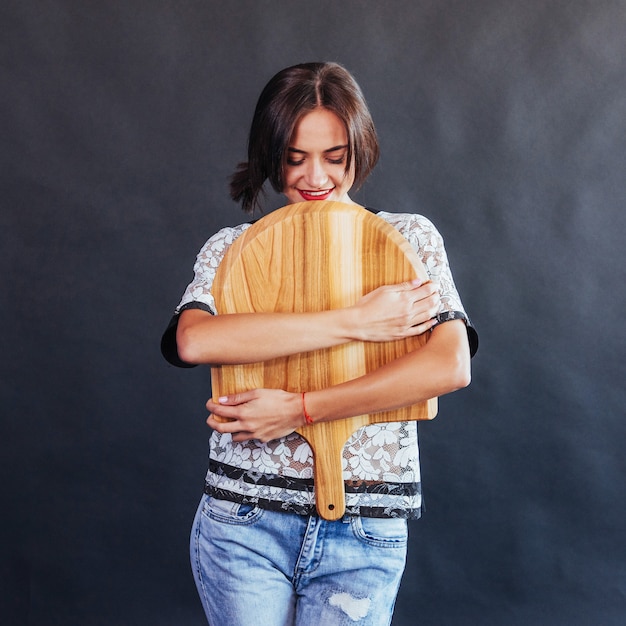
column 262, row 414
column 396, row 311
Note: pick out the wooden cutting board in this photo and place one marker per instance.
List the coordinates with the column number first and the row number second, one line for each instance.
column 315, row 256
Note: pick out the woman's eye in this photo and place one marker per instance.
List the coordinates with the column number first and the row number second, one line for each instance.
column 337, row 161
column 293, row 162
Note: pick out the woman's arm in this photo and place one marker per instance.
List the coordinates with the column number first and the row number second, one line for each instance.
column 441, row 366
column 387, row 313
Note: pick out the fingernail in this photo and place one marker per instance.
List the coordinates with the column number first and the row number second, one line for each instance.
column 222, row 399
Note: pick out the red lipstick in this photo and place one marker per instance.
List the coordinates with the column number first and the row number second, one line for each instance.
column 315, row 195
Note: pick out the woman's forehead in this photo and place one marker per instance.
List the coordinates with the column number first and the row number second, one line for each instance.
column 320, row 130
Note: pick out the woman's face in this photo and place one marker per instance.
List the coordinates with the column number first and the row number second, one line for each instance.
column 316, row 160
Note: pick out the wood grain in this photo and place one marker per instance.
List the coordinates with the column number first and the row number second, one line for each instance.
column 315, row 256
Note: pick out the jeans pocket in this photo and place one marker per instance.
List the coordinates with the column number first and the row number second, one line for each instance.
column 381, row 532
column 230, row 512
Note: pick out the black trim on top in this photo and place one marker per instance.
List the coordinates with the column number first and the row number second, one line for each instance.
column 472, row 335
column 169, row 350
column 304, row 509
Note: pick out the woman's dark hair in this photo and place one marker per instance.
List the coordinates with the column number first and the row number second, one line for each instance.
column 289, row 95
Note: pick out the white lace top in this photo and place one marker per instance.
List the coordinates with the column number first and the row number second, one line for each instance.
column 380, row 461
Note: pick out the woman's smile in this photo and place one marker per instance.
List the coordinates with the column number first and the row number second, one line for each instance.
column 322, row 194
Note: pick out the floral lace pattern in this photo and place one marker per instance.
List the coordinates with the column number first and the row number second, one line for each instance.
column 380, row 461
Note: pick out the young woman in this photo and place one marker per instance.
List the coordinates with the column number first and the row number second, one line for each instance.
column 259, row 552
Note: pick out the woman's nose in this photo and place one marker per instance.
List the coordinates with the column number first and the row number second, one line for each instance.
column 316, row 175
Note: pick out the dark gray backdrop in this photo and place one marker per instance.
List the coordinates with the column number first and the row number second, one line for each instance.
column 502, row 121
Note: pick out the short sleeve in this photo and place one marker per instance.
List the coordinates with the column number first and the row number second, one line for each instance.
column 426, row 240
column 198, row 293
column 207, row 262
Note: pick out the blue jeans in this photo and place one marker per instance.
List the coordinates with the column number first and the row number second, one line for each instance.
column 254, row 566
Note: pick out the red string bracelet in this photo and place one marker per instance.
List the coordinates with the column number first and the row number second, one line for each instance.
column 307, row 418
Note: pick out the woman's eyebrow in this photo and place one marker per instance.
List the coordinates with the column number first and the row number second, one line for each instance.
column 334, row 149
